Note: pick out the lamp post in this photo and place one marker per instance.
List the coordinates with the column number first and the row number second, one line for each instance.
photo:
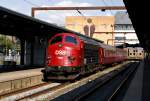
column 5, row 45
column 112, row 33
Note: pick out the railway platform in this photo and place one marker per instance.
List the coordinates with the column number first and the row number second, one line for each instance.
column 19, row 74
column 139, row 87
column 69, row 90
column 16, row 80
column 136, row 88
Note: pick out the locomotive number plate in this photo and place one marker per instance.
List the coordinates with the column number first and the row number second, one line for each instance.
column 60, row 52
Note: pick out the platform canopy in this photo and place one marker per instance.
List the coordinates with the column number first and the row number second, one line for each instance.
column 16, row 24
column 26, row 27
column 140, row 17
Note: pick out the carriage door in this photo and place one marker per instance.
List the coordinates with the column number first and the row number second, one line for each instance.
column 101, row 55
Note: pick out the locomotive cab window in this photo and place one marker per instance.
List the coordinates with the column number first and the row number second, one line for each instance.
column 71, row 39
column 56, row 39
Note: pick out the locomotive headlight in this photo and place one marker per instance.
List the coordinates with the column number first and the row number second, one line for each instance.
column 74, row 68
column 59, row 45
column 48, row 59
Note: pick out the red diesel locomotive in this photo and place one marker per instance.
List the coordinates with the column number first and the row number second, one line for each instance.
column 70, row 55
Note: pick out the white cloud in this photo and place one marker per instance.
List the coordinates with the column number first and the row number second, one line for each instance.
column 58, row 17
column 71, row 3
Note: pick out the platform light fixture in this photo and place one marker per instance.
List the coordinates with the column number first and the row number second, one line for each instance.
column 103, row 10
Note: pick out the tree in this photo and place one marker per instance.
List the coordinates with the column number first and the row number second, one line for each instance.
column 5, row 43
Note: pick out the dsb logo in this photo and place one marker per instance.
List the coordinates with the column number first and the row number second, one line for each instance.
column 60, row 52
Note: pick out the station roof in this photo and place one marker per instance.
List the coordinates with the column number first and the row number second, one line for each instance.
column 13, row 23
column 23, row 26
column 138, row 12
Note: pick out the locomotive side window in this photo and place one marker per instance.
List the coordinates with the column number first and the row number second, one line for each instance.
column 56, row 39
column 71, row 39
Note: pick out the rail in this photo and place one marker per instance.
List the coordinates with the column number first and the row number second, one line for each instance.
column 111, row 94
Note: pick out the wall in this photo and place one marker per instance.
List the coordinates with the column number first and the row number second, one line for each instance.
column 100, row 23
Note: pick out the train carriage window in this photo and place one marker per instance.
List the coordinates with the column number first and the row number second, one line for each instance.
column 71, row 39
column 56, row 39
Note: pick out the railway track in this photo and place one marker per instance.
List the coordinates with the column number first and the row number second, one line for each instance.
column 123, row 82
column 21, row 90
column 31, row 92
column 109, row 88
column 42, row 92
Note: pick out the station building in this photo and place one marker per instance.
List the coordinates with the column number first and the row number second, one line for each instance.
column 125, row 32
column 92, row 26
column 113, row 30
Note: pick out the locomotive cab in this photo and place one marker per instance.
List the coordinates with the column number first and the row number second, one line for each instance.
column 63, row 55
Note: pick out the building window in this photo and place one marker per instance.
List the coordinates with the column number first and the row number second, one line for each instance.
column 120, row 38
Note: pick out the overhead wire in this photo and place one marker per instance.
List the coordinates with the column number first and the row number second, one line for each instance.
column 107, row 5
column 112, row 2
column 33, row 4
column 30, row 3
column 81, row 14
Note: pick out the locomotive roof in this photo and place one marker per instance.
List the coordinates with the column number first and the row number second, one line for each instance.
column 93, row 41
column 97, row 42
column 89, row 41
column 86, row 39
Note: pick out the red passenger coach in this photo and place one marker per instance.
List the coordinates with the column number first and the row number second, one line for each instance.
column 70, row 55
column 109, row 54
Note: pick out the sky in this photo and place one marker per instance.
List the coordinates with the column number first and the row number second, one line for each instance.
column 58, row 17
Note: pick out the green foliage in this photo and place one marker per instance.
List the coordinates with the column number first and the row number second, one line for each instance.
column 6, row 42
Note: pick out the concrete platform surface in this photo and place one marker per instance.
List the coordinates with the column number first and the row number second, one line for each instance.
column 19, row 74
column 139, row 88
column 134, row 91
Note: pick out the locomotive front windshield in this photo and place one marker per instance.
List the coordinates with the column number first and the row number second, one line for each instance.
column 71, row 39
column 56, row 40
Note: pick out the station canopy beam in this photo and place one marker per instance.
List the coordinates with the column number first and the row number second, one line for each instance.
column 78, row 8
